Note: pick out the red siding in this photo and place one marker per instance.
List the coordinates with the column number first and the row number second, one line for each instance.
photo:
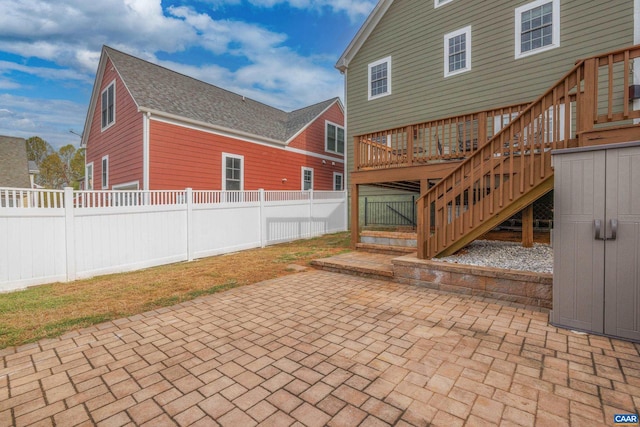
column 313, row 138
column 182, row 157
column 122, row 141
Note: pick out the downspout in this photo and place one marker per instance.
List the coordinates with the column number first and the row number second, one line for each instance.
column 345, row 165
column 145, row 150
column 636, row 62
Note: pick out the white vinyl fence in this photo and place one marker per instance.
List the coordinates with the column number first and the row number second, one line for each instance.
column 51, row 235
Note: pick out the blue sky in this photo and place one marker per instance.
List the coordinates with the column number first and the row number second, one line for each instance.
column 280, row 52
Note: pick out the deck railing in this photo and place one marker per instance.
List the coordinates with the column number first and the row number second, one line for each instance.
column 451, row 138
column 503, row 175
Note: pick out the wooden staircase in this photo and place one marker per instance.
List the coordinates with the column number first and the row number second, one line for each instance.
column 589, row 105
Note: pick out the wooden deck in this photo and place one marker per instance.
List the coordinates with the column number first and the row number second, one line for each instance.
column 473, row 172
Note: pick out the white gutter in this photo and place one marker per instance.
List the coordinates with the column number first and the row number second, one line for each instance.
column 636, row 62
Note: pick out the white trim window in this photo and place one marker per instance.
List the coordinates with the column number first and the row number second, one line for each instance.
column 108, row 110
column 438, row 3
column 457, row 51
column 333, row 138
column 379, row 78
column 537, row 27
column 127, row 186
column 338, row 181
column 105, row 172
column 307, row 179
column 88, row 176
column 232, row 172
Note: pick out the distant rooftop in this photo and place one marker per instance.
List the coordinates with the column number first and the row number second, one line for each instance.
column 14, row 169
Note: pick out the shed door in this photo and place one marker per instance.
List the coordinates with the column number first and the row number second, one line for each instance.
column 622, row 255
column 597, row 282
column 578, row 267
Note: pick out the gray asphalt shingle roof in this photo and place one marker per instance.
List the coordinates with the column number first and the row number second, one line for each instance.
column 14, row 171
column 157, row 88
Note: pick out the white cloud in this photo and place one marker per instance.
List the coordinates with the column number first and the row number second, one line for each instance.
column 70, row 34
column 49, row 119
column 46, row 73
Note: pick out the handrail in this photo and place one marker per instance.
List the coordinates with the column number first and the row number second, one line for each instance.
column 450, row 138
column 516, row 160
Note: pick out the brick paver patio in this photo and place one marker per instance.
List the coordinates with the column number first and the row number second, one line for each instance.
column 320, row 348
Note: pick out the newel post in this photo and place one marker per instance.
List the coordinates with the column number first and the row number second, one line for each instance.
column 70, row 234
column 587, row 107
column 482, row 128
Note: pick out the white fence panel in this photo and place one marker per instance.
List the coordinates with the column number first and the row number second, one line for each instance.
column 328, row 216
column 32, row 247
column 50, row 235
column 118, row 239
column 225, row 227
column 287, row 220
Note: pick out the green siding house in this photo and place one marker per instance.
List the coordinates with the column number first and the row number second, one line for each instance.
column 425, row 77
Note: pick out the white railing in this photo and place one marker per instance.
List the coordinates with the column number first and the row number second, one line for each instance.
column 48, row 236
column 278, row 196
column 103, row 199
column 28, row 198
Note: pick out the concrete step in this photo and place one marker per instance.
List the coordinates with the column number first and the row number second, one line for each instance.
column 391, row 238
column 388, row 242
column 385, row 249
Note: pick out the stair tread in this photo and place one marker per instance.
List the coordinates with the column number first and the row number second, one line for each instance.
column 386, row 248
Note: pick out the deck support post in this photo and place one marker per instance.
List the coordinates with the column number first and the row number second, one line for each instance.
column 355, row 215
column 527, row 226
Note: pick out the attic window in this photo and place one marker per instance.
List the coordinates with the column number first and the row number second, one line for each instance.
column 109, row 105
column 334, row 138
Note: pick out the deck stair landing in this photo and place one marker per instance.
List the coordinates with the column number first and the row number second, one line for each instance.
column 359, row 263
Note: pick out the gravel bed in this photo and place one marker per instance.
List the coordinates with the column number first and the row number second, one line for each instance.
column 507, row 255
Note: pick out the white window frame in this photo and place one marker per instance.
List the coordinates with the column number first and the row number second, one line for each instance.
column 225, row 156
column 104, row 177
column 302, row 171
column 369, row 67
column 102, row 94
column 467, row 32
column 555, row 23
column 127, row 186
column 438, row 3
column 88, row 177
column 327, row 123
column 335, row 175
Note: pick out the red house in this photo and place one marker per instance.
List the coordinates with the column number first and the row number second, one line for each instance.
column 151, row 128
